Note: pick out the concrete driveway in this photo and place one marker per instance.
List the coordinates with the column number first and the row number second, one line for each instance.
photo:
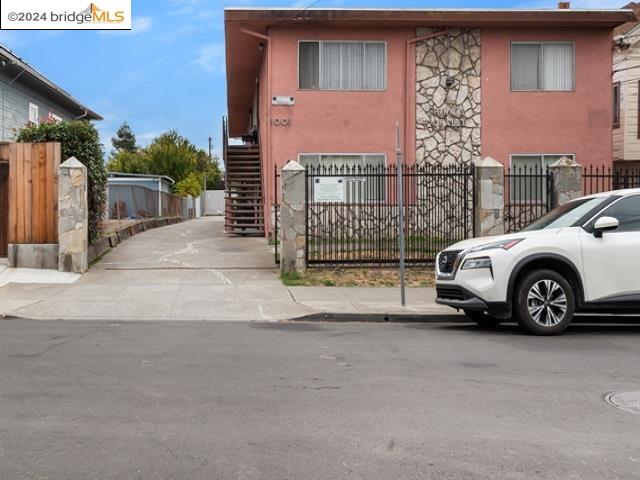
column 188, row 271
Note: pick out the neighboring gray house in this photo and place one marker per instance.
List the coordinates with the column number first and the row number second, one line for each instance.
column 27, row 95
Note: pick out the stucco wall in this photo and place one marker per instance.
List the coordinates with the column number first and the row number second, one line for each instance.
column 333, row 121
column 15, row 100
column 576, row 122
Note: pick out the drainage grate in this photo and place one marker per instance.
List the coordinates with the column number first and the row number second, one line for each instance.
column 627, row 401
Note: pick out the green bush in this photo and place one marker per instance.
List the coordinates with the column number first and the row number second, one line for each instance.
column 79, row 139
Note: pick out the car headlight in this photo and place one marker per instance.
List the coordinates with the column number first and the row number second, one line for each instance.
column 473, row 263
column 504, row 244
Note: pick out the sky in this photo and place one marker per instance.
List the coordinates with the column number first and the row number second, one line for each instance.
column 168, row 72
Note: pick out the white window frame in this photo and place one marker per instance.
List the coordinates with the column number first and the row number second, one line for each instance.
column 36, row 109
column 543, row 166
column 55, row 117
column 541, row 43
column 383, row 196
column 320, row 42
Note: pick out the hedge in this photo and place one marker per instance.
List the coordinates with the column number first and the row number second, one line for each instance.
column 79, row 139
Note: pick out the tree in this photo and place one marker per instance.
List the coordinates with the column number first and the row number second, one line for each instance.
column 189, row 186
column 169, row 154
column 128, row 162
column 125, row 140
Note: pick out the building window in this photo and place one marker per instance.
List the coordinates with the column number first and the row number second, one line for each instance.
column 527, row 172
column 55, row 118
column 365, row 188
column 616, row 105
column 34, row 116
column 542, row 66
column 342, row 65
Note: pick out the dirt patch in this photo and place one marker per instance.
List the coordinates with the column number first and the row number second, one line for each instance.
column 360, row 277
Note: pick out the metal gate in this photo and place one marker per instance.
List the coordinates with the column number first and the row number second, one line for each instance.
column 527, row 196
column 352, row 213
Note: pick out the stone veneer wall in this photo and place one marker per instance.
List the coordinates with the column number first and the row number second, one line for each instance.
column 448, row 118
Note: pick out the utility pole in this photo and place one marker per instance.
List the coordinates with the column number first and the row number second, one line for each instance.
column 400, row 193
column 204, row 181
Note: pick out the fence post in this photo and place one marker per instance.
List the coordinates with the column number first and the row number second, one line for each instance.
column 489, row 205
column 566, row 181
column 73, row 217
column 292, row 218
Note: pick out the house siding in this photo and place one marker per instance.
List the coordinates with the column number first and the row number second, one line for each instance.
column 626, row 144
column 15, row 106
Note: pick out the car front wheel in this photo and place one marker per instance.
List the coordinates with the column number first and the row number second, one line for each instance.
column 544, row 302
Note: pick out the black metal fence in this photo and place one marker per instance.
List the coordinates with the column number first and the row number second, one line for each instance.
column 603, row 179
column 275, row 211
column 527, row 196
column 352, row 213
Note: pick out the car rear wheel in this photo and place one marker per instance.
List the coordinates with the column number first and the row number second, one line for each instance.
column 544, row 302
column 483, row 319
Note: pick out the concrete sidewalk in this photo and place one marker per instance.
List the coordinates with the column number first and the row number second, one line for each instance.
column 192, row 271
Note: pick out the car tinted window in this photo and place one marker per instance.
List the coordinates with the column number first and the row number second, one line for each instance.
column 567, row 215
column 627, row 212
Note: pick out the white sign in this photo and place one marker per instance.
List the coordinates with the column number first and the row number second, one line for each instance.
column 328, row 189
column 65, row 15
column 283, row 100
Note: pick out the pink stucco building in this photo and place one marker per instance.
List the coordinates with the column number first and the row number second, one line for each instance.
column 323, row 85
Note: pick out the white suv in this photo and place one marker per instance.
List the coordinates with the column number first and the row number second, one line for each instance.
column 583, row 256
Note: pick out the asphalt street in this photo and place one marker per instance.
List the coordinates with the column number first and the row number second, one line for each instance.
column 198, row 400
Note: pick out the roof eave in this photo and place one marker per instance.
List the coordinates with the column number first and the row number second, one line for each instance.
column 48, row 86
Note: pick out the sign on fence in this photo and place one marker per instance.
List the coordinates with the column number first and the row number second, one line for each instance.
column 328, row 189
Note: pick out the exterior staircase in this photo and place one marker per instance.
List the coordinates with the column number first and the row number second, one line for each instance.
column 244, row 212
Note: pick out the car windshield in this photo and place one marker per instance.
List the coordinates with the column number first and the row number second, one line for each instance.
column 566, row 215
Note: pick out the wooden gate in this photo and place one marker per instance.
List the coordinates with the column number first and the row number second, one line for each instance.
column 32, row 192
column 4, row 198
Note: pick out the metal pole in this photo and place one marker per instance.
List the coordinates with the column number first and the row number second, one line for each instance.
column 400, row 187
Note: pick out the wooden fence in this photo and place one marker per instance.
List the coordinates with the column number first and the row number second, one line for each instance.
column 4, row 198
column 32, row 191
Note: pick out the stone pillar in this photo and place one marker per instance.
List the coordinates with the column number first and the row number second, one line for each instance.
column 489, row 191
column 292, row 218
column 567, row 181
column 73, row 217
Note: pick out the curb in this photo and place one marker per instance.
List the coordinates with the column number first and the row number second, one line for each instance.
column 381, row 318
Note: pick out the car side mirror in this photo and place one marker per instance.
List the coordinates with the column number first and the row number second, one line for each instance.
column 604, row 224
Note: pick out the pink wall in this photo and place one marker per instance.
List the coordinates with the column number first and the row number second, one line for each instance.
column 334, row 121
column 576, row 122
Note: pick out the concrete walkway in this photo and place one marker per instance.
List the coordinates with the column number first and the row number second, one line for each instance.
column 192, row 271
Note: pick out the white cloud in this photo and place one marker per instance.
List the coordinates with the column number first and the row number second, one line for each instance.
column 210, row 58
column 146, row 137
column 138, row 25
column 141, row 24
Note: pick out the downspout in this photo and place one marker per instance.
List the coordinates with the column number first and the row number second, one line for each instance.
column 267, row 163
column 80, row 117
column 159, row 196
column 411, row 42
